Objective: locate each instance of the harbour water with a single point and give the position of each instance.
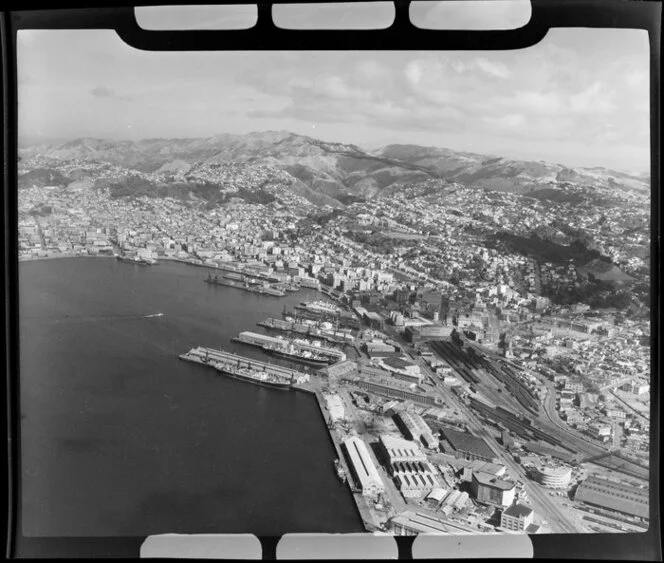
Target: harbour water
(121, 438)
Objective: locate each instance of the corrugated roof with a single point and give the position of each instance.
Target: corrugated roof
(614, 496)
(364, 468)
(466, 442)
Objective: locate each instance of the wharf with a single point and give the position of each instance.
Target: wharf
(203, 355)
(251, 287)
(362, 504)
(262, 340)
(303, 329)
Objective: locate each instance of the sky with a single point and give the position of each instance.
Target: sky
(580, 97)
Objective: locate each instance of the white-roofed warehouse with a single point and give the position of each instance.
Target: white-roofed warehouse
(365, 475)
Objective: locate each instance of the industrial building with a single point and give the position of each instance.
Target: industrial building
(402, 369)
(397, 449)
(341, 369)
(414, 479)
(412, 523)
(596, 491)
(463, 445)
(489, 489)
(415, 334)
(415, 428)
(517, 518)
(381, 383)
(412, 473)
(379, 348)
(553, 477)
(467, 468)
(454, 501)
(364, 472)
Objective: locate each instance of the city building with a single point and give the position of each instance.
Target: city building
(415, 334)
(488, 489)
(553, 477)
(413, 523)
(341, 369)
(401, 368)
(364, 472)
(463, 445)
(397, 449)
(415, 428)
(412, 473)
(395, 389)
(517, 518)
(596, 491)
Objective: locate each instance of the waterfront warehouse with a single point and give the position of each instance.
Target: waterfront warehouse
(412, 473)
(364, 472)
(413, 523)
(603, 493)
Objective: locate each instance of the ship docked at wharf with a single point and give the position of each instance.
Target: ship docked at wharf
(298, 351)
(246, 369)
(323, 311)
(137, 260)
(319, 307)
(340, 471)
(248, 284)
(322, 330)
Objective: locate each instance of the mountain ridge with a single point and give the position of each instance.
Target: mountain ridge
(334, 169)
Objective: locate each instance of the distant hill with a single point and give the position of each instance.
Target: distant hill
(335, 172)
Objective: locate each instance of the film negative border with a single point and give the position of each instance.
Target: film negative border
(265, 35)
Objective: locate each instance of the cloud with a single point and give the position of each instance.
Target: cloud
(597, 98)
(105, 92)
(496, 69)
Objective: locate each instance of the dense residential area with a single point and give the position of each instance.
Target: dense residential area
(500, 375)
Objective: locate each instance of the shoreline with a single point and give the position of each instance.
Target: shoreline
(335, 440)
(369, 526)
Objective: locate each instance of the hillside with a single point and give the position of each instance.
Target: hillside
(329, 173)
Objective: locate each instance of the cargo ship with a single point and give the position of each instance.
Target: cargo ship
(319, 307)
(253, 287)
(232, 366)
(341, 473)
(285, 348)
(136, 260)
(291, 352)
(254, 376)
(310, 330)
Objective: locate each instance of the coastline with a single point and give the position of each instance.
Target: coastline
(358, 500)
(60, 257)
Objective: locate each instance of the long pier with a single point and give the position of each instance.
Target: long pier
(204, 356)
(306, 330)
(262, 340)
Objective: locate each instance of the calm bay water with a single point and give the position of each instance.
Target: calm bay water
(121, 438)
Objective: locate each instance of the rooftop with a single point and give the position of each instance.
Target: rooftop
(492, 481)
(466, 442)
(518, 511)
(615, 496)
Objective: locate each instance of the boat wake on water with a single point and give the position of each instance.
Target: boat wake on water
(97, 318)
